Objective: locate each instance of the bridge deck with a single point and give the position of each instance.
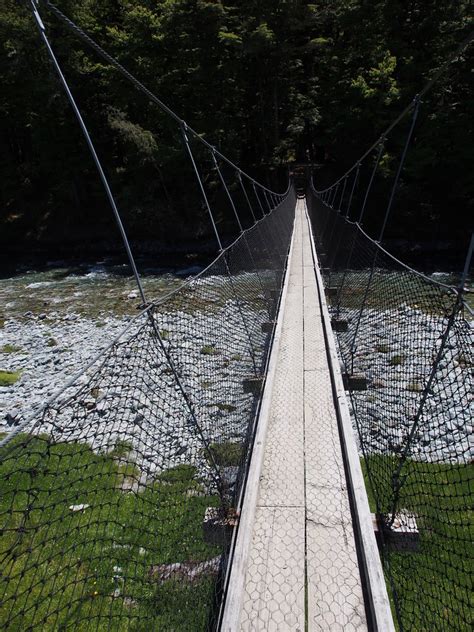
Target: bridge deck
(299, 566)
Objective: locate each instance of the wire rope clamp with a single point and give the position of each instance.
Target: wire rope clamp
(268, 327)
(355, 381)
(218, 525)
(339, 324)
(330, 292)
(253, 384)
(401, 533)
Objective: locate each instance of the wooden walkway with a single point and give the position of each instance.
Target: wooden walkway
(296, 563)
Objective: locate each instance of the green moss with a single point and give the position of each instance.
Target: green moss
(209, 350)
(165, 334)
(397, 359)
(10, 349)
(128, 470)
(383, 348)
(236, 357)
(206, 384)
(7, 378)
(415, 387)
(227, 454)
(180, 473)
(228, 408)
(121, 449)
(58, 565)
(431, 580)
(51, 342)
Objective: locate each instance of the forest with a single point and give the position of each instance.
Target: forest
(268, 82)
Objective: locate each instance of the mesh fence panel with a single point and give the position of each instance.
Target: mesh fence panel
(411, 341)
(117, 504)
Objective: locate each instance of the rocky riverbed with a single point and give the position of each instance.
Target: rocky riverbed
(395, 351)
(130, 395)
(55, 322)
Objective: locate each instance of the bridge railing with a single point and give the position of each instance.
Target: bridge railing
(117, 502)
(406, 347)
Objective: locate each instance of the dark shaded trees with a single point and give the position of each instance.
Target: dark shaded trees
(267, 82)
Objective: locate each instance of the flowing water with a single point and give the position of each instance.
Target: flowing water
(89, 290)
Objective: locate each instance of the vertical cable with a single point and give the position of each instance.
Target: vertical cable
(90, 144)
(201, 185)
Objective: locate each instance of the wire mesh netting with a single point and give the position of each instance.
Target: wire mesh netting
(406, 348)
(118, 501)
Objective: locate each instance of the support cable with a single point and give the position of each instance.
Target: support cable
(239, 175)
(85, 131)
(384, 224)
(216, 232)
(397, 482)
(354, 184)
(243, 234)
(201, 185)
(372, 176)
(90, 144)
(258, 199)
(359, 221)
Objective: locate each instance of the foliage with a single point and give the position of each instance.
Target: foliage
(226, 454)
(266, 82)
(7, 378)
(8, 348)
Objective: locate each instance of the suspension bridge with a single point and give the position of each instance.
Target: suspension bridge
(208, 470)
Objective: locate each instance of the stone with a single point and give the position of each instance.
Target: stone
(79, 507)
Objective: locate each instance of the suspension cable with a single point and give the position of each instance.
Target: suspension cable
(90, 144)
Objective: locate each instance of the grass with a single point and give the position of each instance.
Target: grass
(383, 348)
(209, 350)
(433, 584)
(10, 349)
(165, 334)
(51, 342)
(7, 378)
(228, 408)
(60, 566)
(227, 454)
(121, 449)
(397, 359)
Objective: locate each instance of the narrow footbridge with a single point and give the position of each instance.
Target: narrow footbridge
(282, 442)
(301, 561)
